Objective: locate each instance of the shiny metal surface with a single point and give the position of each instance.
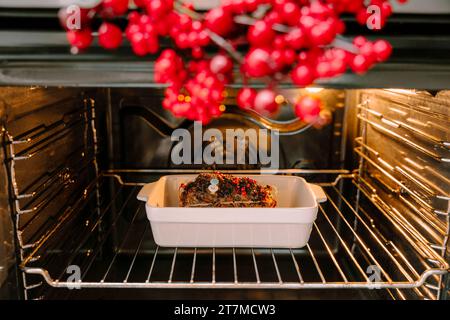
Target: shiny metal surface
(404, 152)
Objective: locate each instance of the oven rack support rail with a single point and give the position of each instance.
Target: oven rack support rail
(366, 252)
(32, 144)
(411, 187)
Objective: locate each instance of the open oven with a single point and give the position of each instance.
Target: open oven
(82, 134)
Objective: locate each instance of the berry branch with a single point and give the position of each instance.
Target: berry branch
(300, 39)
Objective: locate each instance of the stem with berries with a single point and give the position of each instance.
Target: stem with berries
(265, 39)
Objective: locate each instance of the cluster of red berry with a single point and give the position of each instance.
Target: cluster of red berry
(300, 34)
(326, 63)
(195, 92)
(284, 37)
(160, 19)
(80, 37)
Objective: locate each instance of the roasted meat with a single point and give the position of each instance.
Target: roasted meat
(222, 190)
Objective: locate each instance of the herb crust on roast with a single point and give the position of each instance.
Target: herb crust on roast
(231, 191)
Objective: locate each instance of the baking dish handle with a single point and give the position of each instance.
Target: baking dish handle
(319, 194)
(146, 191)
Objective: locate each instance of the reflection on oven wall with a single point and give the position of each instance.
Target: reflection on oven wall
(47, 144)
(141, 116)
(404, 148)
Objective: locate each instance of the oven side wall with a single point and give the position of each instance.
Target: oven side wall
(47, 158)
(9, 276)
(399, 145)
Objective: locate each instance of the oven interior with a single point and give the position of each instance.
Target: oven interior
(75, 158)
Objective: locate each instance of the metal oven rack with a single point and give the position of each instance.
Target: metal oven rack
(46, 163)
(124, 255)
(404, 151)
(360, 240)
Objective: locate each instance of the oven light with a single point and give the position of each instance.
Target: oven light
(279, 99)
(313, 89)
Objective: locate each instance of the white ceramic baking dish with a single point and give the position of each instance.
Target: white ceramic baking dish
(288, 225)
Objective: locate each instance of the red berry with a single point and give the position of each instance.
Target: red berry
(139, 44)
(149, 29)
(204, 118)
(197, 26)
(251, 5)
(132, 29)
(352, 6)
(338, 66)
(219, 21)
(193, 38)
(289, 56)
(214, 111)
(362, 15)
(203, 38)
(239, 6)
(182, 40)
(115, 7)
(339, 54)
(359, 41)
(168, 54)
(163, 27)
(80, 39)
(296, 39)
(227, 5)
(367, 50)
(184, 22)
(109, 36)
(290, 12)
(307, 22)
(273, 17)
(359, 64)
(279, 42)
(386, 9)
(197, 52)
(258, 63)
(139, 3)
(339, 25)
(159, 8)
(319, 10)
(278, 4)
(145, 20)
(323, 69)
(221, 63)
(322, 33)
(246, 98)
(152, 44)
(133, 17)
(308, 108)
(179, 109)
(277, 57)
(265, 103)
(303, 75)
(382, 49)
(261, 34)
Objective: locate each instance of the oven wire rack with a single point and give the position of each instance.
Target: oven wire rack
(365, 259)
